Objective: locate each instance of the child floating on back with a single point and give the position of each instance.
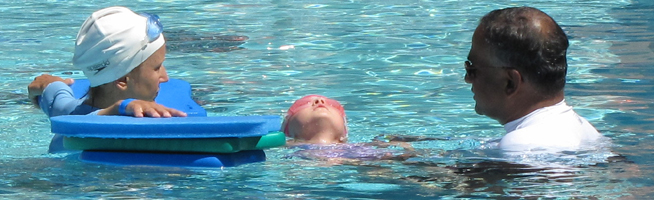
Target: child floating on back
(318, 127)
(316, 119)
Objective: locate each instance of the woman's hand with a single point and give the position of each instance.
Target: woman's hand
(39, 84)
(140, 108)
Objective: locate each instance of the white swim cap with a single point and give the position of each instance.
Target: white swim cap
(115, 40)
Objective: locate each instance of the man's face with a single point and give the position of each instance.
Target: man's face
(488, 78)
(145, 78)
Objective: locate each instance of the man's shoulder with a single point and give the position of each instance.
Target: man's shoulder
(537, 135)
(567, 130)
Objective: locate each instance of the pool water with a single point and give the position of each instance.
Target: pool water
(397, 66)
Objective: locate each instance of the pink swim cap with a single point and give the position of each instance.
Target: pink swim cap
(306, 101)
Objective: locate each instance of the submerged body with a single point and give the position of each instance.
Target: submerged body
(356, 151)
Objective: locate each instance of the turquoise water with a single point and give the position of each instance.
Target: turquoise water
(395, 65)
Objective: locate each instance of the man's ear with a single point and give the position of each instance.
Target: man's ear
(514, 81)
(121, 83)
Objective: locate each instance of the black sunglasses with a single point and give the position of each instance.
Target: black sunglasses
(471, 72)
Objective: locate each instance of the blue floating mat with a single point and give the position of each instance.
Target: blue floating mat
(177, 134)
(194, 141)
(188, 145)
(175, 94)
(164, 128)
(173, 159)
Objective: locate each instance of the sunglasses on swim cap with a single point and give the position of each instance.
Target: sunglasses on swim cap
(154, 28)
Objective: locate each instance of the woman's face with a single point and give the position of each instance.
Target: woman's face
(143, 82)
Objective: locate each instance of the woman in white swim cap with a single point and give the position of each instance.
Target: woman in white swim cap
(121, 53)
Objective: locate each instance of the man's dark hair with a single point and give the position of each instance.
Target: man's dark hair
(530, 41)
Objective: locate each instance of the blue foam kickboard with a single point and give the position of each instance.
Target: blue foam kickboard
(175, 94)
(173, 159)
(164, 128)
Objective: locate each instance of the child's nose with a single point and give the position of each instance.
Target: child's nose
(319, 101)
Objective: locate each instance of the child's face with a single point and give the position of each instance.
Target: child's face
(316, 119)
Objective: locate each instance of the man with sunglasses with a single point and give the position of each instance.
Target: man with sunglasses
(517, 67)
(121, 53)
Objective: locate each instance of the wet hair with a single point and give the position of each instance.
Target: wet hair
(530, 41)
